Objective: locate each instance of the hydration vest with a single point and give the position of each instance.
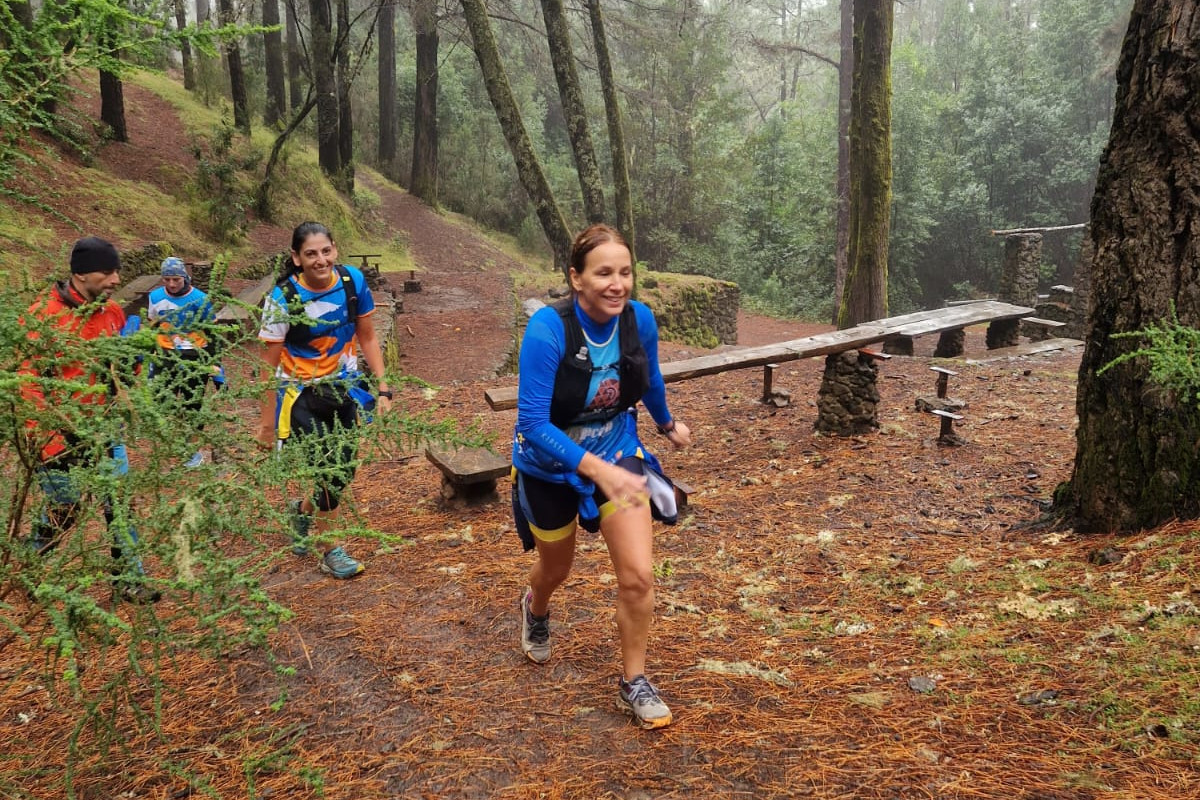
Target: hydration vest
(300, 333)
(574, 375)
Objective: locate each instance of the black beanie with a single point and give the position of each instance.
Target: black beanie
(93, 254)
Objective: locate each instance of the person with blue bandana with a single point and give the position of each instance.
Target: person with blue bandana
(185, 360)
(584, 366)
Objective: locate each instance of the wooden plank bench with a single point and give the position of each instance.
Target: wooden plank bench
(919, 323)
(469, 474)
(1027, 349)
(132, 296)
(247, 300)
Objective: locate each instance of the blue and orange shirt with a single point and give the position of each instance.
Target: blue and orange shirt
(179, 316)
(330, 349)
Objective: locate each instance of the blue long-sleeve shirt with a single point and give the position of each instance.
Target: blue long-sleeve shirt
(548, 452)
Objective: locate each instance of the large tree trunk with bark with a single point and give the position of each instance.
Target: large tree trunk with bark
(321, 50)
(1137, 463)
(295, 58)
(529, 169)
(622, 195)
(865, 294)
(185, 48)
(423, 178)
(237, 75)
(112, 105)
(386, 29)
(345, 114)
(558, 35)
(276, 104)
(845, 88)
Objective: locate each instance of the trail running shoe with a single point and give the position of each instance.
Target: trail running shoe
(196, 460)
(639, 699)
(300, 522)
(138, 594)
(535, 632)
(338, 563)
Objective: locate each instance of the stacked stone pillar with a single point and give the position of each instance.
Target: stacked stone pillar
(1018, 284)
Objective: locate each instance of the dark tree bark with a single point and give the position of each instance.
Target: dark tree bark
(529, 169)
(112, 105)
(345, 113)
(295, 58)
(865, 294)
(622, 195)
(386, 28)
(276, 104)
(1136, 462)
(185, 48)
(558, 35)
(845, 86)
(237, 76)
(112, 93)
(321, 49)
(423, 182)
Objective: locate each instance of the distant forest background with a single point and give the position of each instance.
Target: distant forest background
(1001, 109)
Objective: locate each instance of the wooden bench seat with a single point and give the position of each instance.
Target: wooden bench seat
(1027, 349)
(918, 323)
(132, 296)
(247, 300)
(469, 474)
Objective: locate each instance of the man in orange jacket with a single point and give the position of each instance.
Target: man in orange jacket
(79, 308)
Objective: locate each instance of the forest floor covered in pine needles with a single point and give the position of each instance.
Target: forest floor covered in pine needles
(868, 617)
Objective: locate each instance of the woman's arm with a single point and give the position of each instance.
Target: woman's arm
(271, 353)
(364, 329)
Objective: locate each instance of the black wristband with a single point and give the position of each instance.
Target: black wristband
(666, 429)
(385, 393)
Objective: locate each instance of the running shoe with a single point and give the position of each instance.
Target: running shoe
(535, 632)
(138, 594)
(338, 563)
(639, 699)
(196, 460)
(300, 523)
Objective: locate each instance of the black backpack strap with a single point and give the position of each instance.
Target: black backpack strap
(574, 371)
(635, 364)
(351, 293)
(291, 295)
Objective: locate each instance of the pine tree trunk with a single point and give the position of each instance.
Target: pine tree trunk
(237, 76)
(865, 295)
(385, 28)
(185, 48)
(276, 104)
(558, 36)
(295, 58)
(1137, 463)
(622, 195)
(423, 181)
(345, 114)
(112, 105)
(845, 88)
(321, 50)
(529, 169)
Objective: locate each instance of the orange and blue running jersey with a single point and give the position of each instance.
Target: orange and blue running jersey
(179, 317)
(330, 349)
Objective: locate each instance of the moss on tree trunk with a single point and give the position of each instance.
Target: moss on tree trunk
(1137, 461)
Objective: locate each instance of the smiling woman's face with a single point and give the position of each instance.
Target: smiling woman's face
(316, 259)
(606, 283)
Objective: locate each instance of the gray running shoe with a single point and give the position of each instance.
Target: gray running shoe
(639, 699)
(338, 563)
(535, 632)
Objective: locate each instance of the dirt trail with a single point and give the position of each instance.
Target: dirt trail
(459, 325)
